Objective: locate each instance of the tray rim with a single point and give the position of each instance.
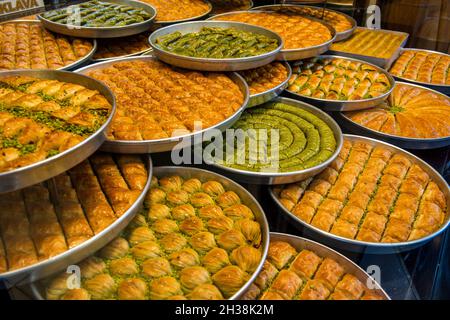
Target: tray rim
(400, 139)
(125, 218)
(402, 246)
(145, 143)
(299, 242)
(100, 133)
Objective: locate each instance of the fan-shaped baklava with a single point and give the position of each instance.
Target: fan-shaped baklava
(265, 78)
(371, 42)
(369, 193)
(39, 118)
(195, 240)
(172, 10)
(156, 101)
(423, 66)
(44, 220)
(289, 274)
(410, 111)
(27, 45)
(296, 30)
(338, 79)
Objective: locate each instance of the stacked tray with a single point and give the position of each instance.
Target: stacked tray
(317, 39)
(78, 28)
(67, 218)
(353, 47)
(408, 205)
(61, 123)
(342, 23)
(43, 49)
(300, 269)
(423, 72)
(122, 128)
(199, 267)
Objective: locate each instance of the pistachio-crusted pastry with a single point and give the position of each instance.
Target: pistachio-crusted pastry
(304, 275)
(296, 30)
(47, 219)
(172, 10)
(40, 118)
(337, 79)
(372, 194)
(410, 111)
(371, 42)
(149, 109)
(265, 78)
(206, 248)
(27, 45)
(423, 66)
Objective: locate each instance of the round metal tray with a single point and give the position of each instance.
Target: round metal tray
(72, 65)
(104, 32)
(167, 144)
(38, 288)
(339, 35)
(346, 105)
(273, 178)
(37, 172)
(199, 17)
(212, 64)
(324, 252)
(295, 54)
(346, 244)
(266, 96)
(402, 142)
(74, 255)
(444, 88)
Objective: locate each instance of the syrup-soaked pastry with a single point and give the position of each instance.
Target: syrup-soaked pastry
(265, 78)
(305, 275)
(205, 248)
(373, 194)
(173, 10)
(47, 219)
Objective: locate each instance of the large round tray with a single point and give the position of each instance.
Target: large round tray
(167, 144)
(300, 53)
(76, 254)
(38, 288)
(273, 178)
(444, 88)
(339, 35)
(263, 97)
(346, 244)
(212, 64)
(48, 168)
(72, 65)
(104, 32)
(324, 252)
(346, 105)
(402, 142)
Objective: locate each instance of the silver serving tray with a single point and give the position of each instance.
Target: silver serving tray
(347, 105)
(199, 17)
(444, 88)
(324, 252)
(295, 54)
(167, 144)
(76, 254)
(38, 288)
(72, 65)
(266, 96)
(339, 35)
(37, 172)
(381, 62)
(273, 178)
(104, 32)
(213, 64)
(402, 142)
(346, 244)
